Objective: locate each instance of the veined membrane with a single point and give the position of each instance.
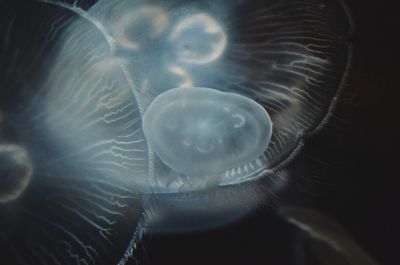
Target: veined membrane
(70, 211)
(86, 74)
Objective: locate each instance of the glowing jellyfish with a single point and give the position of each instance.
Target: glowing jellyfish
(199, 39)
(128, 30)
(15, 172)
(202, 132)
(89, 77)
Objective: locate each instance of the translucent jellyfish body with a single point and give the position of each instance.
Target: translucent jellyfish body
(87, 75)
(15, 172)
(202, 132)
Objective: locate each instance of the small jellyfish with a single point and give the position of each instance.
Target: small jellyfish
(201, 131)
(15, 172)
(199, 39)
(128, 29)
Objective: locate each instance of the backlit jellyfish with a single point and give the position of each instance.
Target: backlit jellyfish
(157, 116)
(128, 28)
(199, 39)
(202, 132)
(15, 172)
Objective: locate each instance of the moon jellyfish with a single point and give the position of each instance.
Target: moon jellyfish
(201, 132)
(200, 39)
(156, 116)
(15, 172)
(63, 211)
(128, 29)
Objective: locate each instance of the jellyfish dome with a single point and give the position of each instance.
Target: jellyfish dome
(155, 116)
(15, 172)
(202, 132)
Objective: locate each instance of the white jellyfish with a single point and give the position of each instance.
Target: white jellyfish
(201, 132)
(157, 116)
(15, 172)
(198, 39)
(128, 28)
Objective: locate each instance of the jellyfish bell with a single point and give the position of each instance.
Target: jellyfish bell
(128, 30)
(15, 172)
(198, 39)
(203, 132)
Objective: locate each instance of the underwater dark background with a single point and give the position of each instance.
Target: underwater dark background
(349, 171)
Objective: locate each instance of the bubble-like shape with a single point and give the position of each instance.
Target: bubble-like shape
(199, 39)
(202, 131)
(128, 29)
(15, 172)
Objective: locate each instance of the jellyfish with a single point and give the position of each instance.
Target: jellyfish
(193, 34)
(202, 132)
(16, 172)
(157, 116)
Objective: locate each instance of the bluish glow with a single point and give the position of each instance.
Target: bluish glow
(157, 113)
